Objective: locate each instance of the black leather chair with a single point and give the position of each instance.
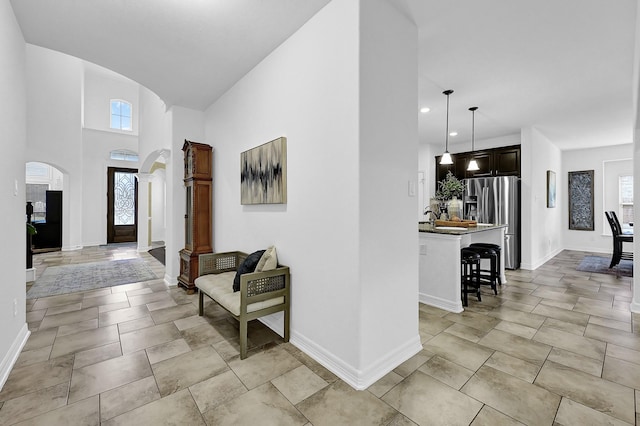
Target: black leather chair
(618, 239)
(615, 219)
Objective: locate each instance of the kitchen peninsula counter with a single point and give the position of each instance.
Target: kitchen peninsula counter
(426, 227)
(440, 261)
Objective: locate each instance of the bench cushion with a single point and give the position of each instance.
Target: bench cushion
(218, 287)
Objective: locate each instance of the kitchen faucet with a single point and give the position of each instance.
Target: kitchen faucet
(433, 216)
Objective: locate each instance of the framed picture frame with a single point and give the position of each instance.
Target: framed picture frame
(581, 200)
(551, 189)
(263, 173)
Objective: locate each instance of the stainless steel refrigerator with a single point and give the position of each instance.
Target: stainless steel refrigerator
(497, 200)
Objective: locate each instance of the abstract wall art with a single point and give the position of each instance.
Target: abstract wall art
(263, 173)
(551, 189)
(581, 200)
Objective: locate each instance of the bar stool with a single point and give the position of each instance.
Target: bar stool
(497, 249)
(470, 274)
(488, 276)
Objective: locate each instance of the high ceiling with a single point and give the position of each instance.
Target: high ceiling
(562, 66)
(189, 52)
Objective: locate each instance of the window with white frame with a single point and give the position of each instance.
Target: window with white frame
(120, 115)
(123, 155)
(625, 187)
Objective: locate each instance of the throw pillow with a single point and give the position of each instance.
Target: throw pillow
(246, 267)
(268, 261)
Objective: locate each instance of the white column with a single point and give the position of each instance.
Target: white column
(635, 302)
(144, 215)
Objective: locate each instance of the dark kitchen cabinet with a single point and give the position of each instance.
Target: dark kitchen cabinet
(485, 164)
(457, 168)
(49, 231)
(507, 161)
(503, 161)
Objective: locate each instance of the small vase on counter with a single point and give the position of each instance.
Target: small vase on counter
(454, 207)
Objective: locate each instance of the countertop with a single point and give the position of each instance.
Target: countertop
(426, 227)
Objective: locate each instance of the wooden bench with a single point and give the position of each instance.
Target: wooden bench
(261, 293)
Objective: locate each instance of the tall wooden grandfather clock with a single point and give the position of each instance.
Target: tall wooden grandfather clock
(198, 223)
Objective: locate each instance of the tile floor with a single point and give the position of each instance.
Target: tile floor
(555, 347)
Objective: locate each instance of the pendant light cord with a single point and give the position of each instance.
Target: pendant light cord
(446, 137)
(473, 128)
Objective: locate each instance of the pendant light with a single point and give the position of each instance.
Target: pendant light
(446, 157)
(473, 164)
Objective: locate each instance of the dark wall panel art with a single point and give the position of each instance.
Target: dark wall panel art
(581, 200)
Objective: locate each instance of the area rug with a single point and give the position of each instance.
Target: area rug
(600, 265)
(158, 253)
(89, 276)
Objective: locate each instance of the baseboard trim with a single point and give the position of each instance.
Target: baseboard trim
(635, 307)
(12, 355)
(589, 250)
(387, 363)
(170, 281)
(357, 379)
(538, 263)
(31, 274)
(437, 302)
(72, 248)
(144, 249)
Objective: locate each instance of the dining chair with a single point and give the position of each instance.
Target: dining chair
(618, 239)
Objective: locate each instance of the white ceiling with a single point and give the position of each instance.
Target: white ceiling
(562, 66)
(189, 52)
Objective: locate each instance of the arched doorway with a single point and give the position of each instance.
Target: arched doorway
(44, 189)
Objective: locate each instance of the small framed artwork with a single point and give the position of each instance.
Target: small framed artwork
(551, 189)
(581, 200)
(263, 173)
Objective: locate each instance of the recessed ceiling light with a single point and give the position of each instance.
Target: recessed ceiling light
(453, 134)
(425, 110)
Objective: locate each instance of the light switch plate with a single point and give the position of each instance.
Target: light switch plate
(412, 188)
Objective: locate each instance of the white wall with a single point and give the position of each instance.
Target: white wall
(158, 204)
(388, 161)
(54, 82)
(97, 147)
(598, 240)
(426, 164)
(635, 304)
(185, 124)
(154, 144)
(309, 91)
(100, 87)
(306, 90)
(155, 128)
(481, 144)
(541, 226)
(14, 332)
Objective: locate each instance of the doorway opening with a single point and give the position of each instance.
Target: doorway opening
(122, 205)
(44, 185)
